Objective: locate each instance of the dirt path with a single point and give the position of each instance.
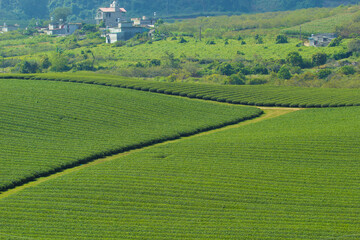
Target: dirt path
(268, 114)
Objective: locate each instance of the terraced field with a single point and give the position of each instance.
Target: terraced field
(49, 126)
(246, 95)
(291, 177)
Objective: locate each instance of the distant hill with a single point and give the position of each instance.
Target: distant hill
(85, 9)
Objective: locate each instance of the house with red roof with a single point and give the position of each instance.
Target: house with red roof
(111, 16)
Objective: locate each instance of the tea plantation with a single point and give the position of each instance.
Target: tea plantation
(49, 126)
(246, 95)
(291, 177)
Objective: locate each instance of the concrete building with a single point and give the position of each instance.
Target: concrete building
(7, 28)
(144, 21)
(123, 32)
(63, 29)
(111, 16)
(321, 40)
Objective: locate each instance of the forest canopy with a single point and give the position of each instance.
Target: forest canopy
(85, 10)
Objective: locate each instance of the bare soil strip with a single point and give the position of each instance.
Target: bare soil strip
(268, 114)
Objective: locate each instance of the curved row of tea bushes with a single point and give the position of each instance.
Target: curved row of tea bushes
(46, 126)
(291, 177)
(245, 95)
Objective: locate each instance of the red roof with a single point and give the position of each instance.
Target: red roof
(112, 10)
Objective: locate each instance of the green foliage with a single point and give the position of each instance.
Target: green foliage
(284, 73)
(182, 40)
(300, 169)
(354, 46)
(155, 62)
(59, 63)
(335, 42)
(250, 95)
(281, 39)
(85, 65)
(27, 67)
(294, 59)
(68, 124)
(348, 70)
(225, 69)
(236, 79)
(45, 62)
(319, 59)
(60, 14)
(324, 73)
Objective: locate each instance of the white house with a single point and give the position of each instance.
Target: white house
(111, 16)
(124, 31)
(321, 40)
(7, 28)
(63, 29)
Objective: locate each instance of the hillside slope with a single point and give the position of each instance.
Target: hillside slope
(86, 9)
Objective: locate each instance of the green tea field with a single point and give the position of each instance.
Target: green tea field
(198, 169)
(245, 95)
(47, 126)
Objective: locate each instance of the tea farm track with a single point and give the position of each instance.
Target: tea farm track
(269, 112)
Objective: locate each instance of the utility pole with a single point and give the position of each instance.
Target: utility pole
(200, 33)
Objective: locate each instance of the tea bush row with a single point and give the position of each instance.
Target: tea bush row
(245, 95)
(291, 177)
(49, 126)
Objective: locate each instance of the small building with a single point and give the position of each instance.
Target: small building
(111, 16)
(123, 32)
(321, 40)
(144, 21)
(7, 28)
(63, 29)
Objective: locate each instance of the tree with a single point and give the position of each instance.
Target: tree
(60, 15)
(324, 73)
(294, 59)
(28, 67)
(319, 59)
(45, 62)
(59, 63)
(225, 69)
(281, 39)
(284, 73)
(348, 70)
(236, 79)
(354, 46)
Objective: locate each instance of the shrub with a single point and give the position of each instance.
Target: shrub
(210, 42)
(341, 55)
(347, 70)
(319, 59)
(182, 40)
(354, 46)
(45, 62)
(59, 63)
(28, 67)
(225, 69)
(236, 79)
(281, 39)
(284, 73)
(294, 59)
(335, 42)
(324, 73)
(155, 62)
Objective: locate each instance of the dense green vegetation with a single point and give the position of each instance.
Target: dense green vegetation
(250, 49)
(293, 177)
(48, 126)
(86, 9)
(247, 95)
